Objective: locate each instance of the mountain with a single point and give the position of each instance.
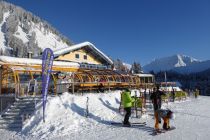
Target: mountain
(22, 32)
(170, 63)
(202, 66)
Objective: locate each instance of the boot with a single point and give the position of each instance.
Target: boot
(127, 124)
(165, 126)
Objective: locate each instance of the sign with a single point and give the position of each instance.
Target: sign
(47, 62)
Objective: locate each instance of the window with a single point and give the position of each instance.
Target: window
(77, 56)
(24, 77)
(85, 57)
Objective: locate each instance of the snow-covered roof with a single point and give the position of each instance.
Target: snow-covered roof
(27, 61)
(170, 88)
(144, 75)
(81, 45)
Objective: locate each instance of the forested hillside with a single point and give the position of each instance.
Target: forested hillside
(22, 32)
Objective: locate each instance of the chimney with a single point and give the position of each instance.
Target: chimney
(30, 54)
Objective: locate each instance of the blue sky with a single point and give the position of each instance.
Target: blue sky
(132, 30)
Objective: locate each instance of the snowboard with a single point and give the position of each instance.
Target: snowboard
(171, 128)
(155, 132)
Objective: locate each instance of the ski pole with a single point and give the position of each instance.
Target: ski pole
(136, 104)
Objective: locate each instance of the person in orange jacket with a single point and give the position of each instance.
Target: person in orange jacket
(157, 100)
(166, 115)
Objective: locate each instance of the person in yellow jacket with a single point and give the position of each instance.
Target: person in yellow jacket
(127, 104)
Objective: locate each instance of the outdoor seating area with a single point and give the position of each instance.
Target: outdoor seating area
(22, 79)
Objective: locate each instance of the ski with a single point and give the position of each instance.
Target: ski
(130, 126)
(87, 110)
(131, 123)
(139, 123)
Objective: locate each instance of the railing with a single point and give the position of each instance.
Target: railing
(23, 88)
(92, 66)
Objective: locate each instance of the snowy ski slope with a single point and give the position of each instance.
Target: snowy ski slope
(65, 119)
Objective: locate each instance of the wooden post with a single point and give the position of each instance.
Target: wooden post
(121, 108)
(1, 104)
(0, 80)
(82, 87)
(136, 104)
(109, 85)
(73, 83)
(145, 97)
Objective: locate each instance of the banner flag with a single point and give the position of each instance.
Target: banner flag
(47, 62)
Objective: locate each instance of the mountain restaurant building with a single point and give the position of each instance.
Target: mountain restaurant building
(78, 68)
(146, 80)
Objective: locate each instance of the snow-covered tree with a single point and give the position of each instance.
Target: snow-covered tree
(118, 65)
(18, 17)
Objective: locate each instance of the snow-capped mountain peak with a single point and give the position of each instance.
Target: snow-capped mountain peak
(184, 60)
(180, 62)
(169, 63)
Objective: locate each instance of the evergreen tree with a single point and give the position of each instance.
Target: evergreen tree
(136, 68)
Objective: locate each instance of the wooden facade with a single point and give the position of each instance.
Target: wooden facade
(83, 53)
(22, 79)
(146, 80)
(81, 56)
(79, 68)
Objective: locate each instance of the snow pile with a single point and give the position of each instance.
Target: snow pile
(65, 114)
(65, 119)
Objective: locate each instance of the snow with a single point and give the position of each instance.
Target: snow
(43, 39)
(178, 63)
(47, 40)
(2, 37)
(144, 75)
(27, 61)
(169, 88)
(195, 67)
(21, 34)
(65, 119)
(128, 66)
